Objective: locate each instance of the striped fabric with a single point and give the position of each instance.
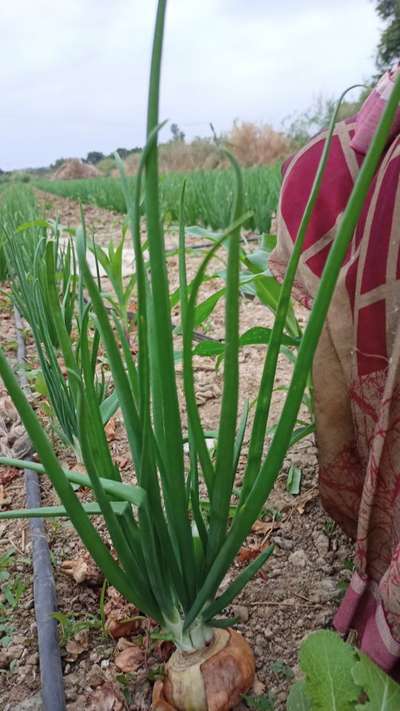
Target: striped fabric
(357, 365)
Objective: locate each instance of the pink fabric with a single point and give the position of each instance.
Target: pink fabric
(357, 365)
(368, 117)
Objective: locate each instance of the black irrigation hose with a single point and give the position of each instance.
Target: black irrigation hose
(44, 592)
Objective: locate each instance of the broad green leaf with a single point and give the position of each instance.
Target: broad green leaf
(297, 699)
(209, 348)
(259, 335)
(259, 261)
(383, 692)
(327, 662)
(206, 307)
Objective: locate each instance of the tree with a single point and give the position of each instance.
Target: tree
(300, 127)
(389, 45)
(94, 157)
(123, 153)
(57, 163)
(177, 134)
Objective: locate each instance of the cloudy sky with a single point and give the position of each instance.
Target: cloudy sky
(73, 73)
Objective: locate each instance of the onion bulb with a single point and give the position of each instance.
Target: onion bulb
(210, 679)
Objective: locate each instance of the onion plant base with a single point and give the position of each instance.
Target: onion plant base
(211, 679)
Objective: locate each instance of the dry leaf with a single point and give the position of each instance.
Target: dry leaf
(77, 645)
(163, 650)
(263, 527)
(106, 698)
(130, 659)
(122, 618)
(123, 644)
(110, 429)
(4, 500)
(159, 702)
(248, 553)
(83, 570)
(9, 474)
(123, 462)
(305, 498)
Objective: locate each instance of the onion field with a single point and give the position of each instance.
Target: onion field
(208, 195)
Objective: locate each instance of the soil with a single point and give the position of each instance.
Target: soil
(296, 592)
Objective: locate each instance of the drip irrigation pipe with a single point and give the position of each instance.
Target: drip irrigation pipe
(44, 592)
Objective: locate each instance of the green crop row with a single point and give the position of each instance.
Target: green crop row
(208, 197)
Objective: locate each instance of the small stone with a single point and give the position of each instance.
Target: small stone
(95, 677)
(321, 543)
(15, 651)
(33, 703)
(322, 618)
(71, 679)
(328, 589)
(260, 640)
(258, 651)
(3, 660)
(242, 612)
(268, 633)
(267, 612)
(70, 694)
(105, 663)
(258, 687)
(32, 660)
(19, 639)
(284, 543)
(298, 559)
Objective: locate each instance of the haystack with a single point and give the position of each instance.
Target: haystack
(74, 168)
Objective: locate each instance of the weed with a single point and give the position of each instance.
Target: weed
(282, 669)
(266, 702)
(70, 626)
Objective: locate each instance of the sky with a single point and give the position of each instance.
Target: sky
(74, 73)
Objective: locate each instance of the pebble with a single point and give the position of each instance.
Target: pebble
(258, 687)
(322, 618)
(328, 589)
(3, 660)
(34, 703)
(260, 640)
(267, 612)
(241, 611)
(298, 559)
(321, 542)
(70, 694)
(268, 633)
(284, 543)
(33, 659)
(15, 651)
(95, 677)
(71, 679)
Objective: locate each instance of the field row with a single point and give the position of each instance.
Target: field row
(208, 195)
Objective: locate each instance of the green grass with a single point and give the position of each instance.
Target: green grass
(208, 195)
(17, 207)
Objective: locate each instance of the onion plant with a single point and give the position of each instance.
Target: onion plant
(49, 293)
(170, 555)
(208, 195)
